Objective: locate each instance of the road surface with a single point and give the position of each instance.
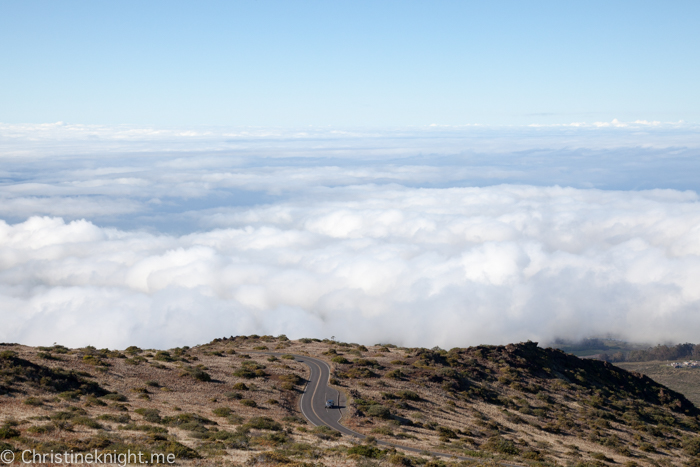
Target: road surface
(313, 406)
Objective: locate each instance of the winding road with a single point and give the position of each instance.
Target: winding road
(313, 405)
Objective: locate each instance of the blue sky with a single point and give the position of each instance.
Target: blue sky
(423, 173)
(348, 63)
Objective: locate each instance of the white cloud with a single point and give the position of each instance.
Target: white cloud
(427, 236)
(445, 267)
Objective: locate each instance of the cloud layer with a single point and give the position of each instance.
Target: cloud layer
(444, 267)
(445, 236)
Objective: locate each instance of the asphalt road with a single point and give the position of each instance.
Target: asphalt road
(313, 405)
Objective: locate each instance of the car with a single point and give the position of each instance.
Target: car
(330, 404)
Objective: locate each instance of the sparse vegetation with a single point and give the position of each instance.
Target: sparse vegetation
(519, 404)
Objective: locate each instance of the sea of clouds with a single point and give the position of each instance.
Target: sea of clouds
(449, 236)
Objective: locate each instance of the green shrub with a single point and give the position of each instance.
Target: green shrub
(68, 395)
(501, 445)
(325, 433)
(408, 395)
(367, 362)
(647, 447)
(691, 446)
(69, 414)
(234, 395)
(382, 430)
(92, 400)
(446, 433)
(179, 450)
(7, 432)
(288, 357)
(240, 387)
(187, 421)
(196, 373)
(364, 450)
(244, 373)
(340, 360)
(115, 397)
(360, 373)
(249, 403)
(149, 415)
(41, 429)
(86, 421)
(34, 401)
(379, 411)
(222, 411)
(263, 423)
(163, 356)
(133, 350)
(120, 418)
(599, 456)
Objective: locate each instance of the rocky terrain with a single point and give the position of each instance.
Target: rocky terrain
(231, 402)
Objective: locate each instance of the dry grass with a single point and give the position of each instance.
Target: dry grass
(684, 380)
(494, 403)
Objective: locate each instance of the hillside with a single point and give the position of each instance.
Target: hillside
(683, 380)
(229, 403)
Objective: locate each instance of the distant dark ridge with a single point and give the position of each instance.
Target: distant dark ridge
(660, 352)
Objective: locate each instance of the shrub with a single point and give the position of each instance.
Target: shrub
(244, 373)
(501, 445)
(92, 400)
(133, 350)
(367, 362)
(691, 446)
(115, 397)
(360, 373)
(149, 415)
(325, 433)
(647, 447)
(179, 450)
(382, 430)
(364, 450)
(263, 423)
(163, 356)
(196, 373)
(41, 429)
(222, 411)
(70, 395)
(240, 387)
(7, 432)
(379, 411)
(234, 395)
(288, 357)
(35, 401)
(599, 456)
(86, 421)
(408, 395)
(249, 403)
(235, 419)
(93, 360)
(292, 378)
(340, 360)
(187, 421)
(121, 418)
(446, 433)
